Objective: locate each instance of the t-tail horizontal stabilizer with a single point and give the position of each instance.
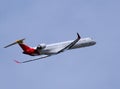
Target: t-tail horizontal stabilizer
(16, 42)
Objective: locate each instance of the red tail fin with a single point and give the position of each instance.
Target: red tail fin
(27, 50)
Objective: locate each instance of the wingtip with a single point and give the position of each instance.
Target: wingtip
(17, 62)
(5, 47)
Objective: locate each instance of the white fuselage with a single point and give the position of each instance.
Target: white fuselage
(54, 48)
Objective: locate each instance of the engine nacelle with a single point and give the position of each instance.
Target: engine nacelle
(41, 46)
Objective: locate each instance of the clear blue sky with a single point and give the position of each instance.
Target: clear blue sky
(49, 21)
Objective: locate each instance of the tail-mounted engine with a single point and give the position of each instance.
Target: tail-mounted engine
(41, 46)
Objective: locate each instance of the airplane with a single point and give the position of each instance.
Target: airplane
(45, 51)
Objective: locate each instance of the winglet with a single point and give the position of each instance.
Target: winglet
(17, 62)
(78, 36)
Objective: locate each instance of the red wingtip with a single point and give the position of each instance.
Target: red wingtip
(17, 62)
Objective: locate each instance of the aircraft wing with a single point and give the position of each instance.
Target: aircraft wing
(32, 59)
(71, 44)
(62, 50)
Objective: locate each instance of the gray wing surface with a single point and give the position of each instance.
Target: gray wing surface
(32, 59)
(70, 45)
